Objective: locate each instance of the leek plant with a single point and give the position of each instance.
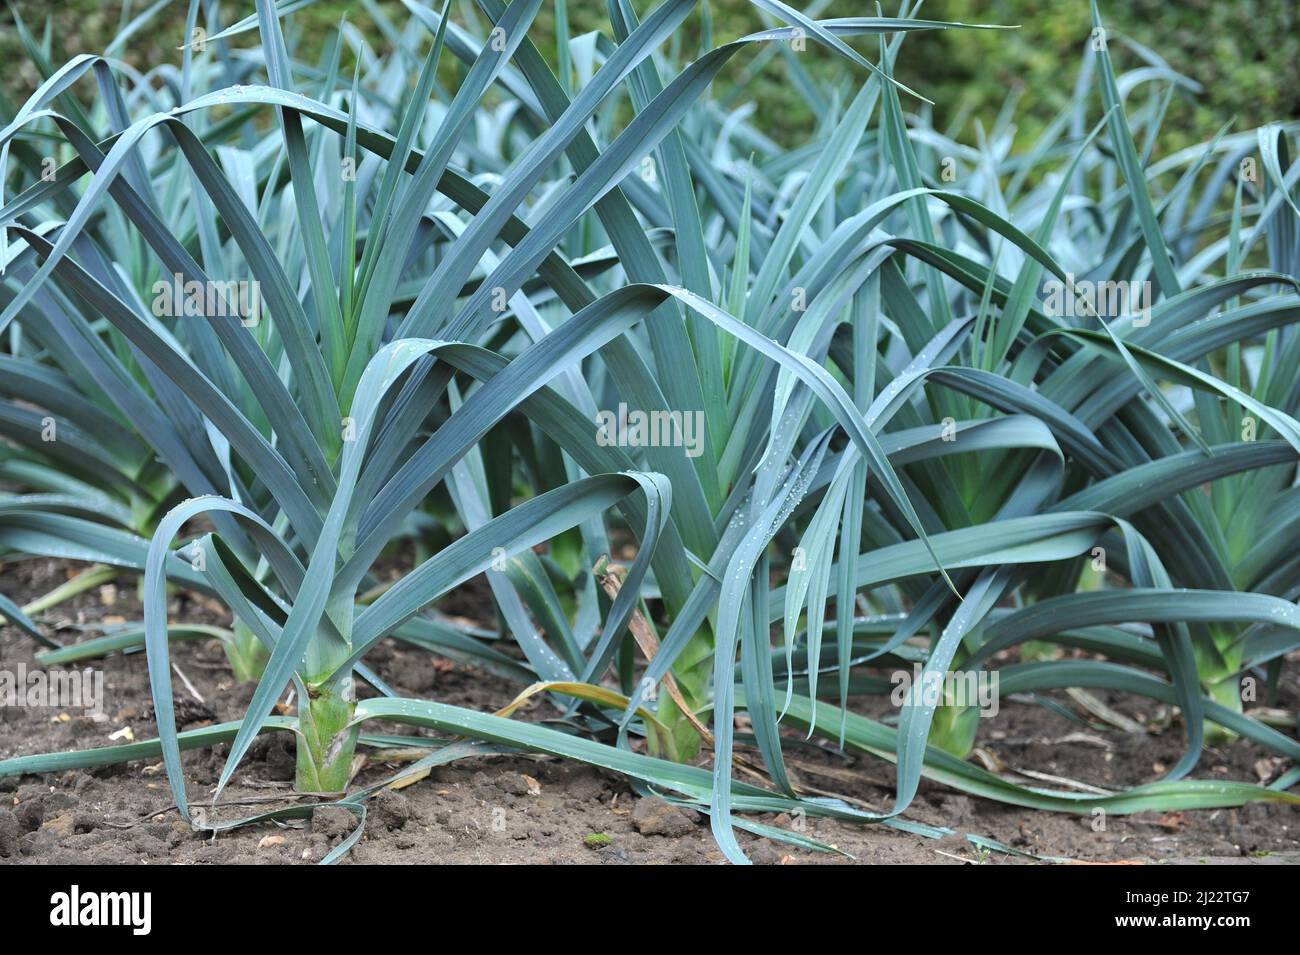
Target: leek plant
(831, 390)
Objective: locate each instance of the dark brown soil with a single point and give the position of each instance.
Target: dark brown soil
(513, 809)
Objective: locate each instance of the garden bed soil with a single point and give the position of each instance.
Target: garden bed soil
(522, 809)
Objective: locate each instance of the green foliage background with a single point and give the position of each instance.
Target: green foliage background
(1244, 53)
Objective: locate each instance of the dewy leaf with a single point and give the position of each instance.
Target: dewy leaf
(155, 620)
(1122, 138)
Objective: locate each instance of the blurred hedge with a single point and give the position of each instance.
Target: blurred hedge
(1245, 53)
